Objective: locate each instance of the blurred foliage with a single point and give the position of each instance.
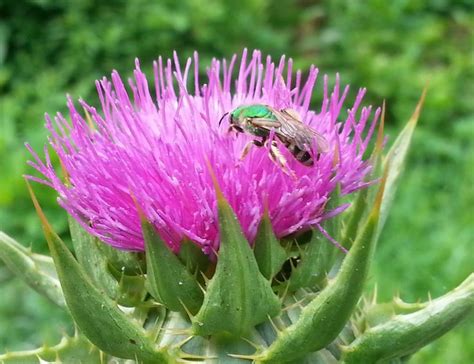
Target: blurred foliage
(49, 48)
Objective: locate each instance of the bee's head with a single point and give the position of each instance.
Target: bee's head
(237, 116)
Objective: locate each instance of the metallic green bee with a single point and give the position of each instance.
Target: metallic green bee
(259, 120)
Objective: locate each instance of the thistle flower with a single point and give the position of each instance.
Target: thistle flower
(151, 173)
(152, 150)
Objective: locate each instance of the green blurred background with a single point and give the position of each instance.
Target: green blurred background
(49, 48)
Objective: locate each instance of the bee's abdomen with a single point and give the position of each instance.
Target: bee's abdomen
(305, 158)
(302, 156)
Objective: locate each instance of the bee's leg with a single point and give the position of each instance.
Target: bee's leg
(280, 160)
(236, 128)
(246, 150)
(260, 143)
(249, 146)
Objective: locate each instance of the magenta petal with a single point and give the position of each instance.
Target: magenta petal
(155, 146)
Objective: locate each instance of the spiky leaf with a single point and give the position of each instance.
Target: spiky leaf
(270, 255)
(169, 280)
(238, 296)
(395, 160)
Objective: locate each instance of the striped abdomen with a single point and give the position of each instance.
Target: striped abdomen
(302, 156)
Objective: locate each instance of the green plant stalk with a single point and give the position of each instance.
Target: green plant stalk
(36, 270)
(76, 349)
(403, 335)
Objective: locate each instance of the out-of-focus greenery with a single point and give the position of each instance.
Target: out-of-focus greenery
(49, 48)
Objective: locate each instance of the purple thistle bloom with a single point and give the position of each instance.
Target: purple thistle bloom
(153, 150)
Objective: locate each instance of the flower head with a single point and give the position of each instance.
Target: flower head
(153, 149)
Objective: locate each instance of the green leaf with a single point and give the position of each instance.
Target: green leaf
(326, 315)
(76, 349)
(36, 270)
(270, 255)
(168, 279)
(238, 296)
(407, 333)
(96, 315)
(395, 160)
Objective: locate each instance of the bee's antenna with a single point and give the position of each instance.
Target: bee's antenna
(222, 118)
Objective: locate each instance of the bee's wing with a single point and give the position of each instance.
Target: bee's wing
(321, 142)
(301, 134)
(291, 113)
